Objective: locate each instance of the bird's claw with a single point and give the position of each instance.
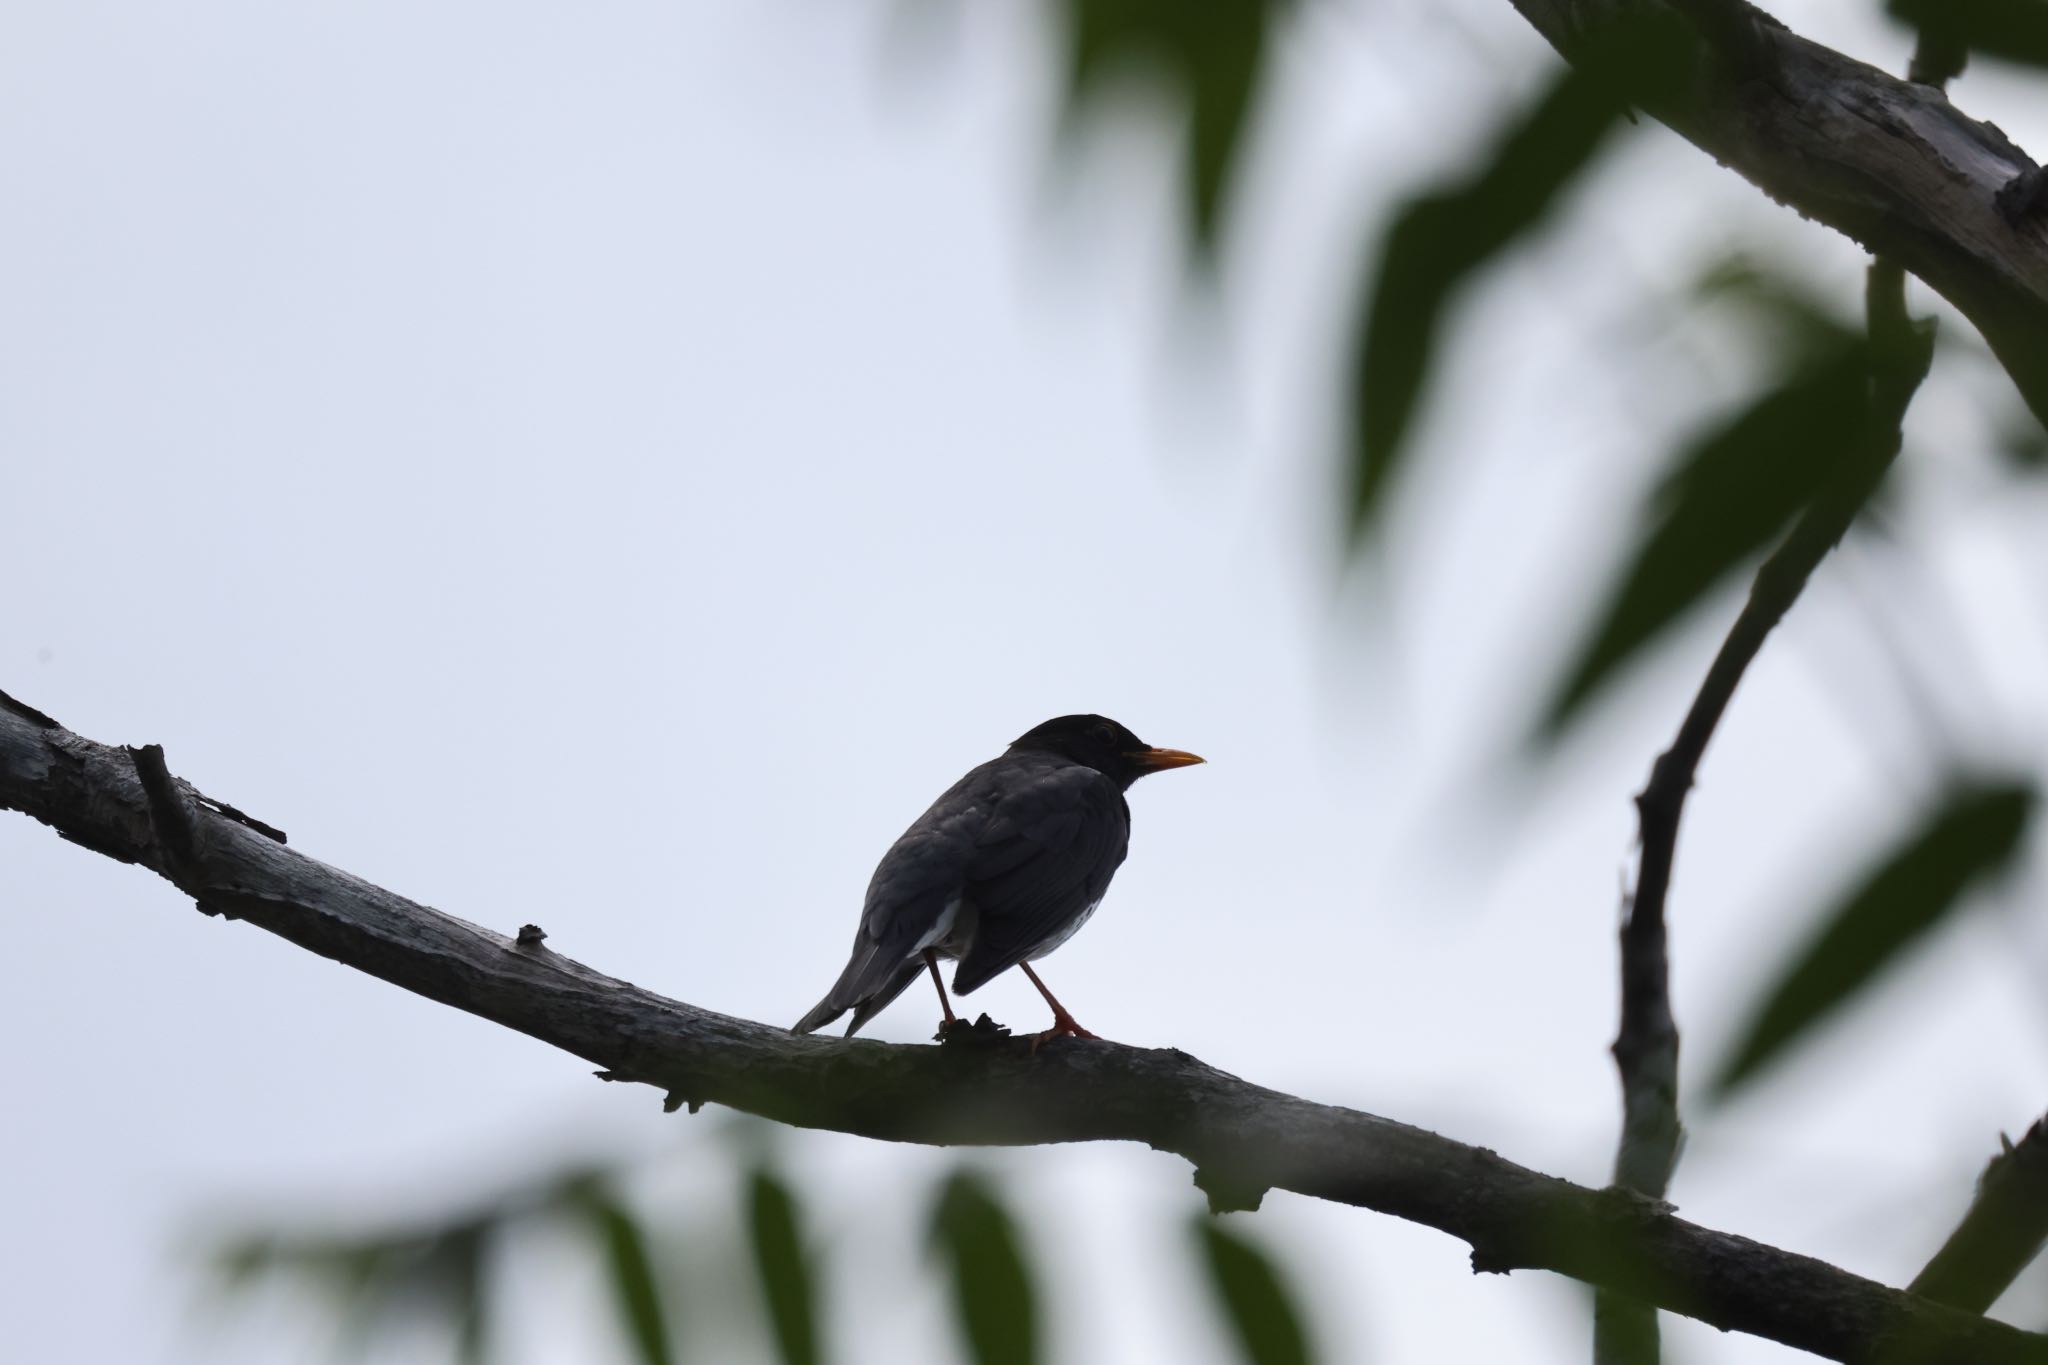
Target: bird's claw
(1063, 1026)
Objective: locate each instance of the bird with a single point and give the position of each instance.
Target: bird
(1004, 867)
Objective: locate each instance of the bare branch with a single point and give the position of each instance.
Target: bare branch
(1646, 1047)
(1890, 163)
(2001, 1234)
(1241, 1138)
(1896, 167)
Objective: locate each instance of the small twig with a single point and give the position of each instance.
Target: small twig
(170, 812)
(2002, 1233)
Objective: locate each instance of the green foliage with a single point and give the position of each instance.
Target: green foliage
(2024, 443)
(1438, 242)
(994, 1293)
(2016, 30)
(385, 1280)
(1797, 323)
(789, 1288)
(630, 1275)
(1973, 835)
(1730, 493)
(469, 1288)
(380, 1283)
(1212, 57)
(1253, 1295)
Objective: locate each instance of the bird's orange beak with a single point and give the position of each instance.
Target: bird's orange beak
(1159, 760)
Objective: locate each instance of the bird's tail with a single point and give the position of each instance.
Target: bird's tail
(879, 1001)
(863, 988)
(823, 1013)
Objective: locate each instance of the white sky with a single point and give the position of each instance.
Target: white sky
(611, 466)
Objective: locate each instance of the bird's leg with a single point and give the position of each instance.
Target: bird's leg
(1063, 1024)
(931, 961)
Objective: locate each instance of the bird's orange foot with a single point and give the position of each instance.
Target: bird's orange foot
(1063, 1026)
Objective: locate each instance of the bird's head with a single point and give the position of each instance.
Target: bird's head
(1100, 743)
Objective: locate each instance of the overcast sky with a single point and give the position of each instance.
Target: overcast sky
(611, 467)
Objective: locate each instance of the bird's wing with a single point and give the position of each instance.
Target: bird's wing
(912, 900)
(1041, 861)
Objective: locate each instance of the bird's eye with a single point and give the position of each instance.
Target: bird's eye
(1106, 733)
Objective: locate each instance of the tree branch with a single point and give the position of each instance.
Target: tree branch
(1242, 1138)
(2001, 1234)
(1896, 167)
(1889, 163)
(1646, 1046)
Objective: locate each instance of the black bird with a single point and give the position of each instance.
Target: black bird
(1000, 871)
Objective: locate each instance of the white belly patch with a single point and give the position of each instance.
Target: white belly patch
(941, 930)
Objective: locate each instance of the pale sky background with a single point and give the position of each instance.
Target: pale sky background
(611, 466)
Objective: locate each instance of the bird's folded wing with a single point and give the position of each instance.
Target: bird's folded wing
(915, 892)
(911, 903)
(1041, 860)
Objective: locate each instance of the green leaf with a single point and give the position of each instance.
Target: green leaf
(2023, 442)
(2016, 30)
(631, 1272)
(1212, 56)
(788, 1287)
(1253, 1296)
(993, 1286)
(381, 1282)
(1731, 493)
(462, 1254)
(1438, 241)
(1797, 323)
(1974, 834)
